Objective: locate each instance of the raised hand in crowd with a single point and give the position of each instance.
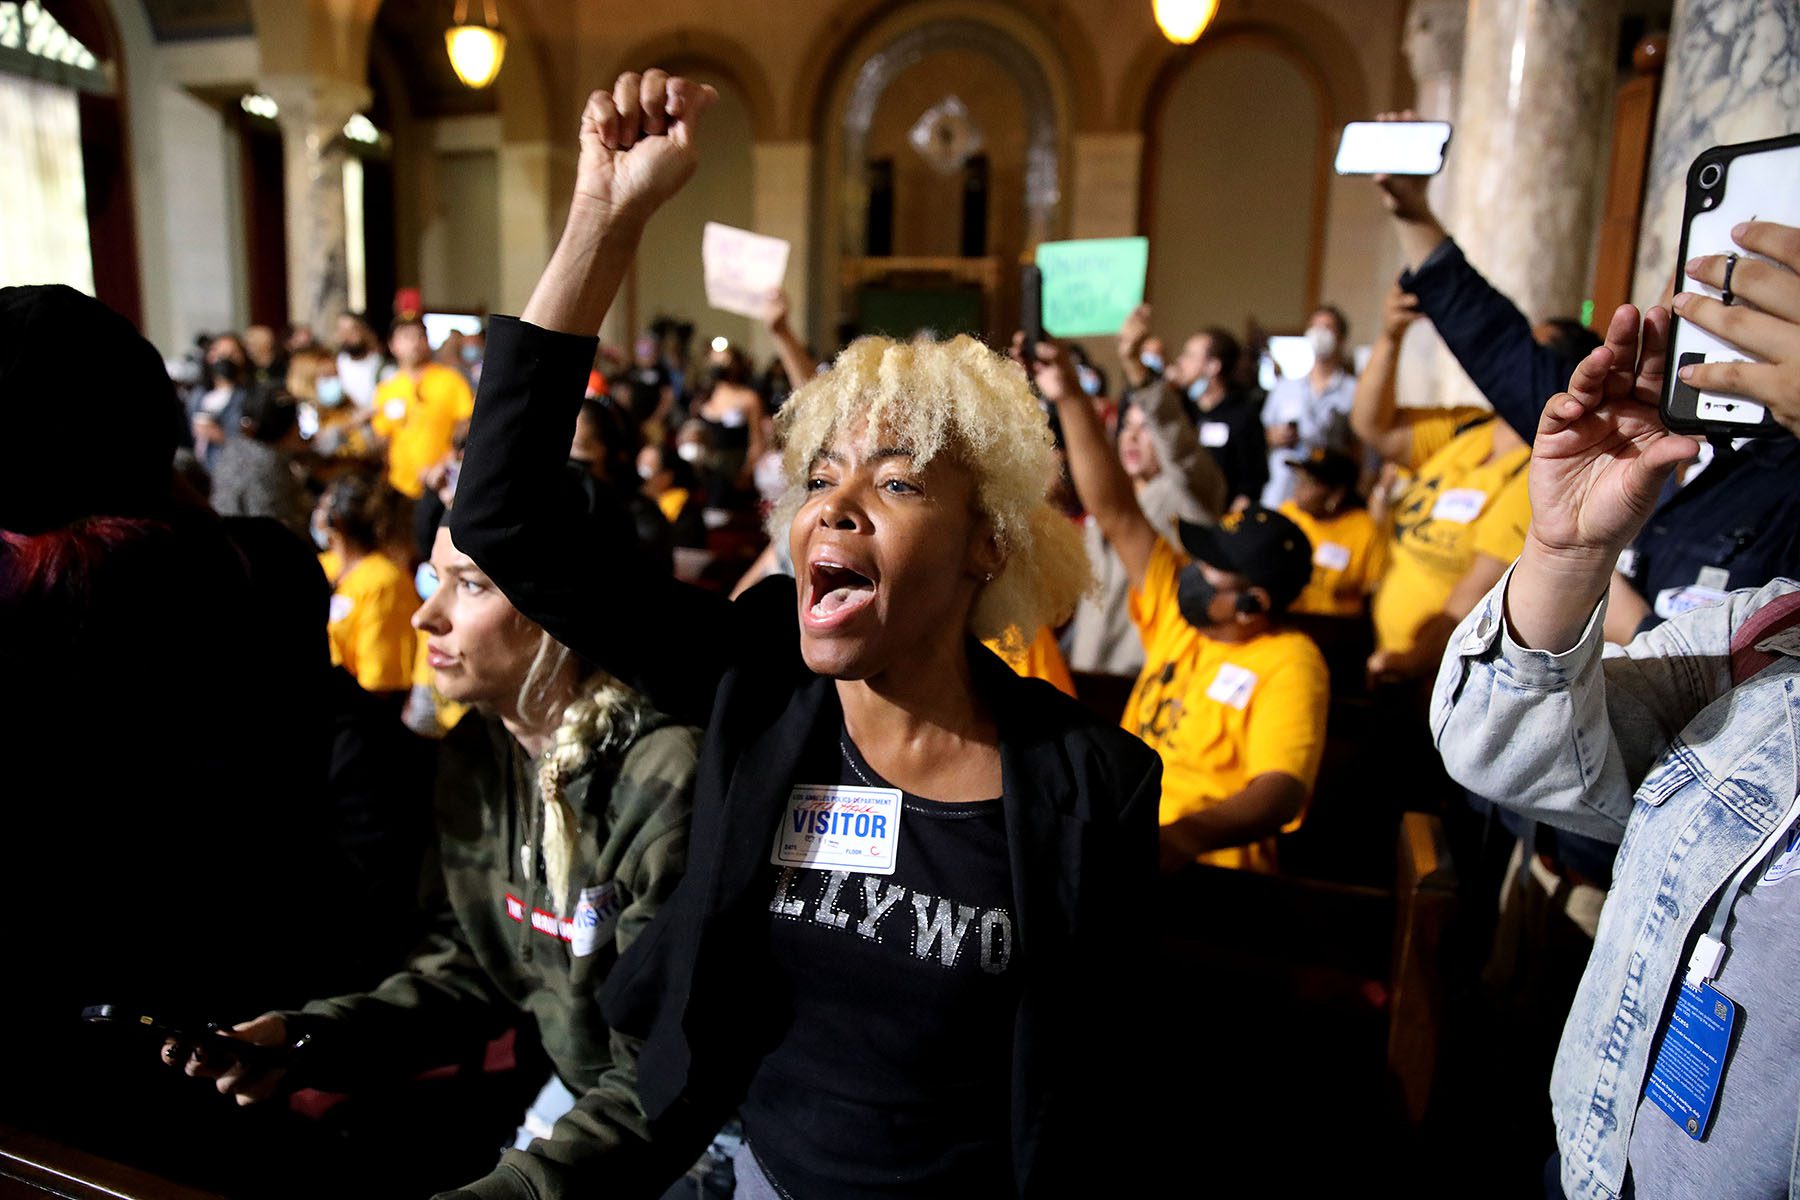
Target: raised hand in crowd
(1399, 309)
(1132, 335)
(638, 147)
(1766, 323)
(796, 360)
(1598, 464)
(1404, 196)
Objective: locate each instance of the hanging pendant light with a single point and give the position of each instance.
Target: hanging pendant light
(476, 51)
(1183, 21)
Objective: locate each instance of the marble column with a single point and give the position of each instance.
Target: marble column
(1537, 85)
(313, 112)
(1733, 76)
(1435, 30)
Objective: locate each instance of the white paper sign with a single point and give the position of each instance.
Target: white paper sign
(742, 268)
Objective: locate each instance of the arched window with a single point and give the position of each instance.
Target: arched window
(43, 72)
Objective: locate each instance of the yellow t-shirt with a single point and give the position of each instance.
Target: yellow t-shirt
(1222, 713)
(1348, 556)
(1457, 505)
(332, 564)
(1041, 659)
(672, 502)
(371, 625)
(419, 422)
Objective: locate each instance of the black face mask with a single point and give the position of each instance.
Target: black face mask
(225, 371)
(1194, 596)
(356, 348)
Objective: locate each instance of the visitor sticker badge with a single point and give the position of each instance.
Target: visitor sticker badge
(1233, 685)
(1459, 505)
(1691, 1060)
(1332, 556)
(839, 828)
(1214, 434)
(395, 410)
(340, 607)
(596, 916)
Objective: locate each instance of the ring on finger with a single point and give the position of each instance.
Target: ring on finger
(1725, 292)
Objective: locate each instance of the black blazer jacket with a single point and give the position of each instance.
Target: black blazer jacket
(1080, 804)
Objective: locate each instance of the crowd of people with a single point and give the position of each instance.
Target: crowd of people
(644, 701)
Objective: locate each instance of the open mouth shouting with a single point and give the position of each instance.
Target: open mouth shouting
(836, 592)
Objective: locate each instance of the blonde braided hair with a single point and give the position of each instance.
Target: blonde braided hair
(601, 721)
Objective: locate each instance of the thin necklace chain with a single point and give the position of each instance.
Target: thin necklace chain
(851, 759)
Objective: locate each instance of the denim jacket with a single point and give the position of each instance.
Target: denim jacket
(1680, 747)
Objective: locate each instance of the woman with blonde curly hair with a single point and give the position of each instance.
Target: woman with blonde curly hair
(563, 804)
(917, 883)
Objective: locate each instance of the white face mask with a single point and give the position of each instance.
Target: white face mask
(691, 451)
(1323, 341)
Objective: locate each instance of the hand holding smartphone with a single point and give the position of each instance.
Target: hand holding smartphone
(1726, 186)
(1392, 148)
(248, 1061)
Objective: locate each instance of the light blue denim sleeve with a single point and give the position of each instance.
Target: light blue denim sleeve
(1568, 737)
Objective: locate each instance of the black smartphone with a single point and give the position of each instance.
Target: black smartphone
(1031, 311)
(155, 1030)
(1750, 181)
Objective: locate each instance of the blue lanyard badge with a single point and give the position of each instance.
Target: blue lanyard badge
(1684, 1080)
(1691, 1060)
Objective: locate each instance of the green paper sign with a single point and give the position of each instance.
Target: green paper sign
(1091, 286)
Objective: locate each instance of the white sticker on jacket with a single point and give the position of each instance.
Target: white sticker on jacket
(1233, 685)
(395, 410)
(596, 916)
(1459, 505)
(1214, 434)
(839, 828)
(1672, 602)
(1332, 556)
(340, 607)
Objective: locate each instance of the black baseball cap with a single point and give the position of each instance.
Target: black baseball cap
(1258, 543)
(1333, 468)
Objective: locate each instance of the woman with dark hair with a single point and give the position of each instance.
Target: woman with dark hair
(372, 599)
(256, 475)
(734, 414)
(670, 481)
(916, 881)
(115, 581)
